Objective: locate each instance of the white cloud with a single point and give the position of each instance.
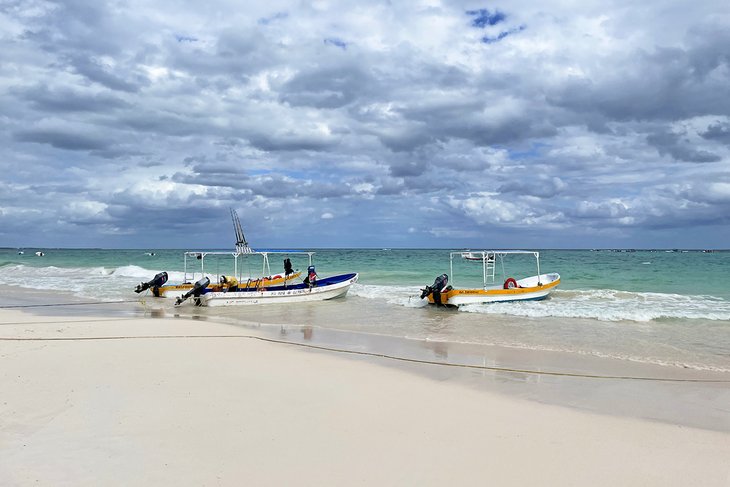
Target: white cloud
(586, 117)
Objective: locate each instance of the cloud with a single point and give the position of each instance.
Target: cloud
(680, 149)
(592, 127)
(62, 139)
(542, 186)
(719, 131)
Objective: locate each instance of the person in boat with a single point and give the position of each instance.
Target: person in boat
(311, 279)
(287, 267)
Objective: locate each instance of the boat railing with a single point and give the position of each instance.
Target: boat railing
(489, 262)
(266, 266)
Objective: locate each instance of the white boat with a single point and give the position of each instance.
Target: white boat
(327, 288)
(159, 287)
(476, 256)
(529, 288)
(221, 282)
(313, 288)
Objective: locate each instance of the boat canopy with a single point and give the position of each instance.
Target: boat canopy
(266, 268)
(489, 261)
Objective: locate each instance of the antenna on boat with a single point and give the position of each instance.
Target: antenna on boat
(241, 244)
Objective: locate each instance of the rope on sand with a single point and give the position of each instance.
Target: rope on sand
(382, 355)
(11, 306)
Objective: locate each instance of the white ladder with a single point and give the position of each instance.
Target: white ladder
(490, 264)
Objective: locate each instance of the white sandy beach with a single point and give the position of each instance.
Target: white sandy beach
(239, 411)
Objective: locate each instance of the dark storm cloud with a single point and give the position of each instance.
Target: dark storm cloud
(63, 139)
(290, 141)
(719, 131)
(657, 83)
(327, 88)
(679, 148)
(66, 99)
(95, 71)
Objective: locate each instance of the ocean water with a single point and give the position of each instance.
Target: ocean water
(657, 307)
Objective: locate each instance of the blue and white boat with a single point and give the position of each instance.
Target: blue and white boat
(312, 288)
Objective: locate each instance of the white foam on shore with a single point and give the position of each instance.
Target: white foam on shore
(408, 296)
(89, 282)
(613, 305)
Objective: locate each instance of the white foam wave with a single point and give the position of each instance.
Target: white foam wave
(612, 305)
(90, 282)
(408, 296)
(142, 274)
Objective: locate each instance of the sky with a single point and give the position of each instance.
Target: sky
(437, 124)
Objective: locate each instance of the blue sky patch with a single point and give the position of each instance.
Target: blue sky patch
(334, 41)
(483, 17)
(273, 18)
(183, 38)
(501, 35)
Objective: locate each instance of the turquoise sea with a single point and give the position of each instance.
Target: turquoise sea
(661, 307)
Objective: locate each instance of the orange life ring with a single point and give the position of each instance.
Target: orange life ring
(510, 283)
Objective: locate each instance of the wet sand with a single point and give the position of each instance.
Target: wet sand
(118, 396)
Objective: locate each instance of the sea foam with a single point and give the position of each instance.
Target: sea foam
(613, 305)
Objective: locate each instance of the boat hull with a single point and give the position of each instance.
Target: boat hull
(328, 288)
(177, 290)
(530, 289)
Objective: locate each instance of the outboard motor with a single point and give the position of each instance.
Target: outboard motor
(196, 291)
(439, 285)
(156, 281)
(287, 267)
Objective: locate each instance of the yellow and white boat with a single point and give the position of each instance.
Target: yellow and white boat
(160, 289)
(227, 282)
(530, 288)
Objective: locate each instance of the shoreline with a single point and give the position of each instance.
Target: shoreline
(680, 396)
(87, 409)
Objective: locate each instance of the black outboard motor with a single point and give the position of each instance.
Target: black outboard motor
(287, 267)
(156, 281)
(439, 285)
(196, 291)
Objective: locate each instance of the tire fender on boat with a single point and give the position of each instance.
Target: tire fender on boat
(510, 283)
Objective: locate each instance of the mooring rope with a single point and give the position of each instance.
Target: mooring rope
(379, 355)
(89, 303)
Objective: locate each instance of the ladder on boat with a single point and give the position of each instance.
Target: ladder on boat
(490, 265)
